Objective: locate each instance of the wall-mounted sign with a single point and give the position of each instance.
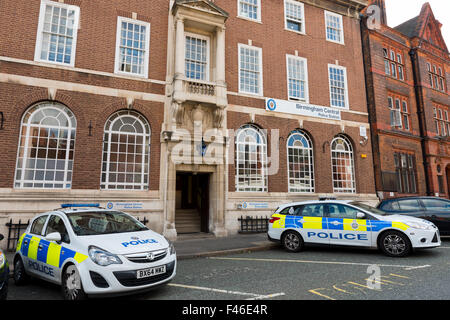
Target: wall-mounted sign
(303, 109)
(124, 205)
(254, 205)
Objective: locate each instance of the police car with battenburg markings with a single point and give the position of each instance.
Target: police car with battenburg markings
(89, 250)
(349, 223)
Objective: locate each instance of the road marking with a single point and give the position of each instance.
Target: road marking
(361, 285)
(399, 276)
(253, 295)
(320, 294)
(323, 262)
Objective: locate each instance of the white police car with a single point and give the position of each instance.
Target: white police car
(93, 251)
(350, 223)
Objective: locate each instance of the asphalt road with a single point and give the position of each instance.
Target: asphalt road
(318, 273)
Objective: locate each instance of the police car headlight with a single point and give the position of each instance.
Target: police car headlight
(418, 225)
(102, 257)
(2, 259)
(171, 248)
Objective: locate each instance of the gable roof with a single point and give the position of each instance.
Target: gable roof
(424, 26)
(205, 3)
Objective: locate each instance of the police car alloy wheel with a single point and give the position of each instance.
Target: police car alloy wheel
(292, 241)
(395, 244)
(72, 288)
(20, 276)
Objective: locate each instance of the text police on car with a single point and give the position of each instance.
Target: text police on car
(93, 251)
(350, 223)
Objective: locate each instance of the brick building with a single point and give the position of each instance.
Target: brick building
(407, 81)
(188, 113)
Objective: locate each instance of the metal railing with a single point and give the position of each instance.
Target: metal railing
(15, 230)
(253, 224)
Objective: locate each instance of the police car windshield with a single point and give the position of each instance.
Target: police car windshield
(368, 208)
(89, 223)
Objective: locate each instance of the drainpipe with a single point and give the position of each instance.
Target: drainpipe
(370, 101)
(418, 90)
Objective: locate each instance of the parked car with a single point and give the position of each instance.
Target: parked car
(4, 274)
(349, 223)
(433, 209)
(93, 251)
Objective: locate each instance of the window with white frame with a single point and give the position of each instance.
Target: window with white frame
(46, 147)
(338, 86)
(250, 69)
(197, 57)
(132, 47)
(126, 150)
(334, 27)
(57, 33)
(300, 162)
(294, 16)
(297, 78)
(250, 9)
(251, 159)
(342, 165)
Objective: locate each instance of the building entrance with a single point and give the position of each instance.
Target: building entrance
(192, 202)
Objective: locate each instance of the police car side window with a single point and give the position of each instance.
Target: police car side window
(291, 211)
(342, 211)
(37, 226)
(56, 224)
(312, 210)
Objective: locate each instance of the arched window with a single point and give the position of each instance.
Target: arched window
(300, 163)
(342, 165)
(126, 150)
(251, 159)
(46, 147)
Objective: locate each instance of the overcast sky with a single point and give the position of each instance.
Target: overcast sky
(399, 11)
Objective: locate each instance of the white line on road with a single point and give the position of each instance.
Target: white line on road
(323, 262)
(253, 295)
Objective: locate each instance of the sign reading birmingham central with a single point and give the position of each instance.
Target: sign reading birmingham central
(301, 108)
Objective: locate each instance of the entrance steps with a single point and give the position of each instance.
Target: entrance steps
(187, 221)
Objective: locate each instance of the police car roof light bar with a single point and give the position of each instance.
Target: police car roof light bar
(80, 205)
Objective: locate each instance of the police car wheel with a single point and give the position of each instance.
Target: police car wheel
(292, 241)
(72, 289)
(395, 244)
(19, 275)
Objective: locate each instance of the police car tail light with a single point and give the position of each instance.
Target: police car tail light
(102, 257)
(273, 219)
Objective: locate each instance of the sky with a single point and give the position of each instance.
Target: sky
(399, 11)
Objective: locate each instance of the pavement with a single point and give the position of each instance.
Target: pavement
(189, 246)
(206, 245)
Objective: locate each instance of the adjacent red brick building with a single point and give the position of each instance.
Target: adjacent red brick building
(407, 83)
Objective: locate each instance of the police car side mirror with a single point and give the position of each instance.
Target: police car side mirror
(360, 215)
(54, 236)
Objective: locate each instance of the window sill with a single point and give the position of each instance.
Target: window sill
(250, 19)
(303, 33)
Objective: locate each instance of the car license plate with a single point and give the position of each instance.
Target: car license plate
(150, 272)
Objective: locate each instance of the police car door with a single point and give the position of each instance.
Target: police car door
(54, 250)
(345, 228)
(31, 248)
(313, 223)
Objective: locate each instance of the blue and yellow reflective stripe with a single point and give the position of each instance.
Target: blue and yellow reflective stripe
(355, 225)
(327, 223)
(313, 223)
(53, 254)
(45, 251)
